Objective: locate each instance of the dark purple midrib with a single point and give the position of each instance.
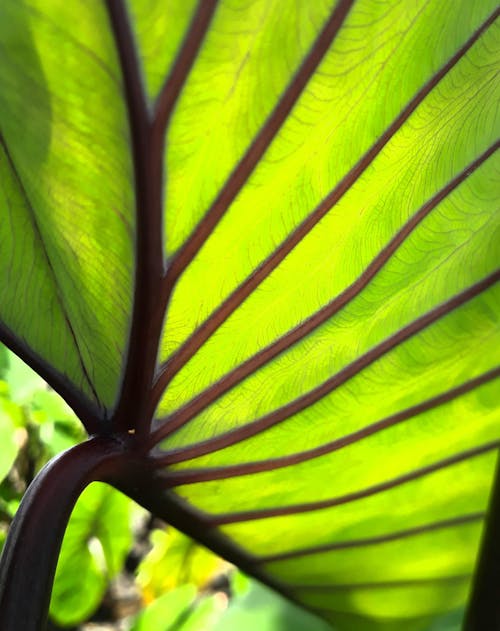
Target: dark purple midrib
(380, 539)
(222, 313)
(138, 363)
(279, 511)
(241, 372)
(148, 140)
(91, 421)
(348, 372)
(189, 476)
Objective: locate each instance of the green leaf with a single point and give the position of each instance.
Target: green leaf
(22, 381)
(59, 429)
(174, 560)
(258, 244)
(95, 545)
(4, 361)
(8, 439)
(165, 613)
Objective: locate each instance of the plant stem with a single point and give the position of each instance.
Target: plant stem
(29, 558)
(483, 611)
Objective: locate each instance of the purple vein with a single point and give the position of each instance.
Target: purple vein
(297, 405)
(279, 511)
(52, 273)
(257, 149)
(380, 539)
(141, 353)
(171, 90)
(148, 140)
(189, 476)
(222, 313)
(166, 103)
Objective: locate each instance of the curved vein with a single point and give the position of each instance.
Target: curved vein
(370, 541)
(277, 416)
(278, 511)
(187, 476)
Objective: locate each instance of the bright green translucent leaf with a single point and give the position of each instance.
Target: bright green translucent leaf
(160, 28)
(324, 176)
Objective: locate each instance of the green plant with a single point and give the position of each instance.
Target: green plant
(253, 246)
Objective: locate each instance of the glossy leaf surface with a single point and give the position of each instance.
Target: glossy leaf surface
(264, 242)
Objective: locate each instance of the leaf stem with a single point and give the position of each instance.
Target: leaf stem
(31, 551)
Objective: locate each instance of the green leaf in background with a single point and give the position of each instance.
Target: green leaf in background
(167, 612)
(59, 429)
(261, 608)
(9, 440)
(260, 241)
(174, 560)
(23, 382)
(253, 607)
(95, 545)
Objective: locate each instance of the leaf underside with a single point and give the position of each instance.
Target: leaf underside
(264, 241)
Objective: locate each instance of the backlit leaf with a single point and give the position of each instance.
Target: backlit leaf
(257, 242)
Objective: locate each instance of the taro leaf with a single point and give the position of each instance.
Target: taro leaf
(95, 545)
(260, 239)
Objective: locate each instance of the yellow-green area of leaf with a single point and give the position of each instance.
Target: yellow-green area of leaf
(175, 560)
(95, 545)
